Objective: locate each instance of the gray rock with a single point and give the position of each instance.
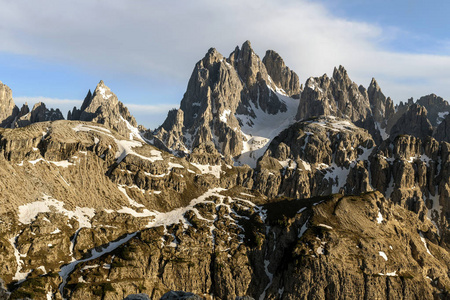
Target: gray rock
(7, 105)
(413, 122)
(180, 295)
(281, 75)
(141, 296)
(39, 113)
(220, 88)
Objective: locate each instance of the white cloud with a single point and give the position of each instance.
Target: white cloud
(165, 38)
(151, 109)
(49, 102)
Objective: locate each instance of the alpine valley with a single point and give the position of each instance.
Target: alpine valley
(257, 187)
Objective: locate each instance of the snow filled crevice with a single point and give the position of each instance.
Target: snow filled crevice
(259, 131)
(270, 276)
(424, 243)
(19, 276)
(68, 269)
(435, 212)
(338, 175)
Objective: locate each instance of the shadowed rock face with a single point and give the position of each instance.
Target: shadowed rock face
(413, 122)
(339, 96)
(39, 113)
(382, 107)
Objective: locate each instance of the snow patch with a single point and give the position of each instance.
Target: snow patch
(259, 131)
(383, 255)
(131, 201)
(441, 117)
(383, 133)
(224, 116)
(380, 217)
(270, 276)
(208, 169)
(20, 276)
(424, 243)
(28, 212)
(103, 91)
(325, 226)
(389, 274)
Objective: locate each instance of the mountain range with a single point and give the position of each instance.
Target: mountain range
(257, 187)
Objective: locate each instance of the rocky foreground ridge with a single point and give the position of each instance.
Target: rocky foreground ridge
(256, 187)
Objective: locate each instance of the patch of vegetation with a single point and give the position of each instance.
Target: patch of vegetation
(98, 292)
(33, 283)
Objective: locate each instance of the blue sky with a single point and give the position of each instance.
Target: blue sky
(417, 26)
(55, 51)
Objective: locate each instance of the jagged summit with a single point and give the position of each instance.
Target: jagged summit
(39, 113)
(413, 122)
(11, 116)
(225, 101)
(281, 75)
(104, 107)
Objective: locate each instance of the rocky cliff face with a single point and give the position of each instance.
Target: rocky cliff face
(12, 117)
(341, 97)
(413, 122)
(39, 113)
(103, 107)
(281, 75)
(226, 100)
(245, 192)
(382, 108)
(6, 102)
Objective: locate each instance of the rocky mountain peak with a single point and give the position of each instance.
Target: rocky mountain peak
(7, 105)
(248, 64)
(104, 91)
(414, 122)
(211, 57)
(338, 96)
(374, 85)
(280, 74)
(341, 77)
(226, 94)
(436, 106)
(382, 107)
(39, 113)
(104, 107)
